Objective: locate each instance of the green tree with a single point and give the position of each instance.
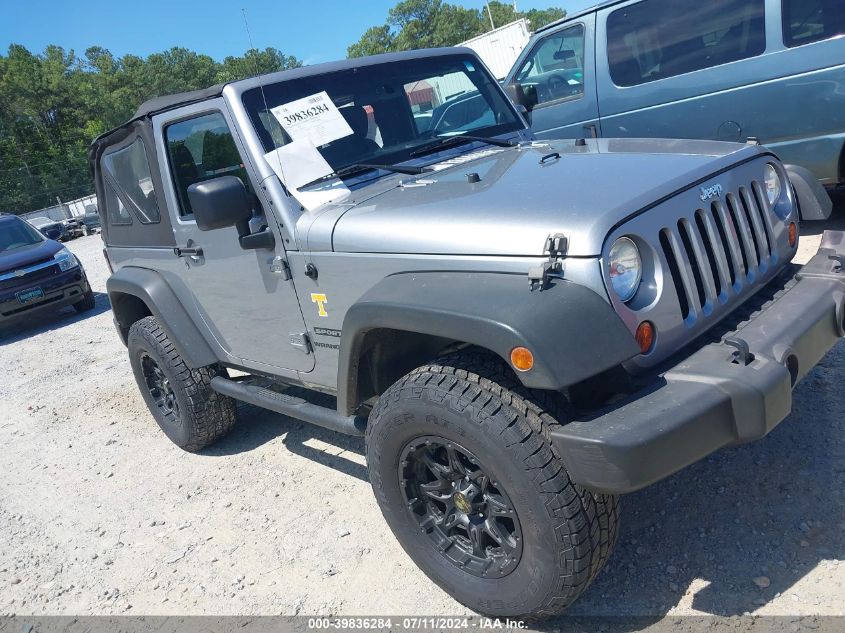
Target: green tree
(502, 13)
(255, 62)
(375, 40)
(53, 104)
(538, 18)
(413, 24)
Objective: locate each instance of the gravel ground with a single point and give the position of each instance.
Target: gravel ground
(100, 514)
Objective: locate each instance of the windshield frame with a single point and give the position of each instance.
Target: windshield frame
(32, 232)
(508, 120)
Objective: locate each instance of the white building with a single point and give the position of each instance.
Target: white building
(500, 47)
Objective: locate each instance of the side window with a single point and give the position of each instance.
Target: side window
(555, 68)
(806, 21)
(200, 149)
(655, 39)
(129, 173)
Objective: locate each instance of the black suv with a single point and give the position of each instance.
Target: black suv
(37, 273)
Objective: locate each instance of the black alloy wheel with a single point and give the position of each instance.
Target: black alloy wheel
(467, 515)
(159, 387)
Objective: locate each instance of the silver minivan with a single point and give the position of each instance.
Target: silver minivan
(727, 70)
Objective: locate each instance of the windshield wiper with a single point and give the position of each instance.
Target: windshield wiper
(358, 168)
(444, 142)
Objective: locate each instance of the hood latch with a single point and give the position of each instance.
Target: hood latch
(538, 276)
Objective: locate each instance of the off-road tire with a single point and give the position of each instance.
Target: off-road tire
(204, 416)
(87, 302)
(475, 400)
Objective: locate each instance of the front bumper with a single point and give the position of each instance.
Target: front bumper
(62, 289)
(717, 396)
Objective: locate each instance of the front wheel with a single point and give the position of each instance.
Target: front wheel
(88, 302)
(463, 471)
(181, 399)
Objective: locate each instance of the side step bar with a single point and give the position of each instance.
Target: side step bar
(290, 405)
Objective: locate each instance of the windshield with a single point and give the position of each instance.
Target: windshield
(16, 233)
(382, 113)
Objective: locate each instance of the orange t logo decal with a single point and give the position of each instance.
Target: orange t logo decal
(320, 299)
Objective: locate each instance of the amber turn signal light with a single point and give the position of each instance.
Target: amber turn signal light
(645, 336)
(793, 234)
(522, 359)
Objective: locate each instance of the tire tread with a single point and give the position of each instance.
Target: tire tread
(210, 415)
(585, 524)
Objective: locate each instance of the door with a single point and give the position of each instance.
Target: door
(555, 81)
(242, 295)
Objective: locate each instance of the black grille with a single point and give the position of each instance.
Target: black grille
(716, 248)
(31, 278)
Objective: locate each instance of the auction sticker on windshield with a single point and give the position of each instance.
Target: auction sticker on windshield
(300, 162)
(314, 118)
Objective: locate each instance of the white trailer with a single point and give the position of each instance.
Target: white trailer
(500, 47)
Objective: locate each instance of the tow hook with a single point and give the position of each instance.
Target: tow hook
(742, 354)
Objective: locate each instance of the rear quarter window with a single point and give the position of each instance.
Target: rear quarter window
(807, 21)
(129, 186)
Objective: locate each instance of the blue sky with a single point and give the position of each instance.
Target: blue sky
(313, 31)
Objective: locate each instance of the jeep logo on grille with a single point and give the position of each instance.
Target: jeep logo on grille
(711, 192)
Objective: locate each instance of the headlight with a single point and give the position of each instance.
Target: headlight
(625, 268)
(773, 184)
(66, 260)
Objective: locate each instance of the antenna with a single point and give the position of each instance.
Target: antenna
(260, 77)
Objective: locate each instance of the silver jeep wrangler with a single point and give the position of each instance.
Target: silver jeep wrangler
(521, 330)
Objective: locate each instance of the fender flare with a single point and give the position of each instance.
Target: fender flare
(813, 201)
(151, 288)
(572, 331)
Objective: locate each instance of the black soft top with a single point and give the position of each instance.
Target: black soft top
(168, 102)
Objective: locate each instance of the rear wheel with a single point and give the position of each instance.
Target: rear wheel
(181, 399)
(463, 470)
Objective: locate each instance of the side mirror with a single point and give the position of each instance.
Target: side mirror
(220, 202)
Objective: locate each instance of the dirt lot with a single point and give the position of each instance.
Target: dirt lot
(100, 514)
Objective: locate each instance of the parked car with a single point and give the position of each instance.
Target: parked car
(49, 228)
(727, 70)
(90, 222)
(37, 273)
(72, 228)
(522, 330)
(460, 113)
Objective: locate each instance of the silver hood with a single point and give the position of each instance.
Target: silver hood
(521, 198)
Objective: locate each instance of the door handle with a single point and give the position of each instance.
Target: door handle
(187, 252)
